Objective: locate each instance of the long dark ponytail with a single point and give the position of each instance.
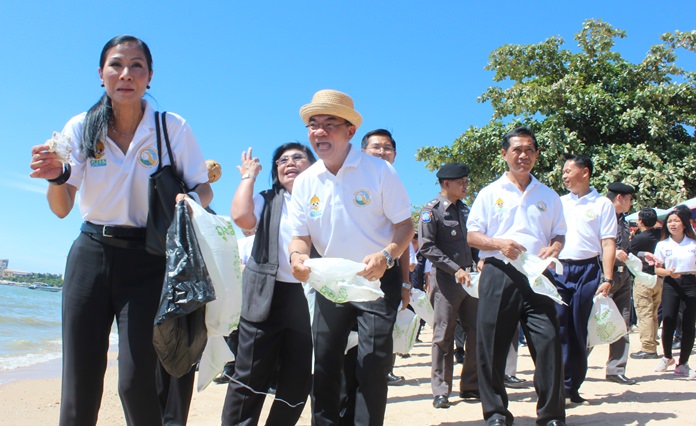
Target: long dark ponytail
(99, 116)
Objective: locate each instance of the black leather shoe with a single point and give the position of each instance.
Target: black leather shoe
(621, 379)
(556, 423)
(470, 395)
(441, 401)
(575, 398)
(459, 355)
(644, 355)
(393, 379)
(515, 383)
(496, 422)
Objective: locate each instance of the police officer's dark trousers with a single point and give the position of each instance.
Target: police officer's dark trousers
(505, 298)
(332, 323)
(103, 282)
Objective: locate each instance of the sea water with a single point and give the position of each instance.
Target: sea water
(30, 328)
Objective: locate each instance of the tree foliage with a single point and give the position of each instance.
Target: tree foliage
(636, 121)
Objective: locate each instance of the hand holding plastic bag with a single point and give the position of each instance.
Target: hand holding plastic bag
(533, 267)
(636, 267)
(473, 287)
(420, 302)
(404, 334)
(606, 325)
(336, 280)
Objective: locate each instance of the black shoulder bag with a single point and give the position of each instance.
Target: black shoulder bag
(165, 184)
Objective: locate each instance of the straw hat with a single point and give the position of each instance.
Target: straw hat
(214, 170)
(331, 102)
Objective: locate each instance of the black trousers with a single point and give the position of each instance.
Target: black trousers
(283, 340)
(174, 395)
(505, 298)
(332, 323)
(103, 282)
(675, 292)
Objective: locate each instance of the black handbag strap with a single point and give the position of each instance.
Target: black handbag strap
(166, 139)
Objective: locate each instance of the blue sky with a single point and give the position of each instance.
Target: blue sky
(239, 72)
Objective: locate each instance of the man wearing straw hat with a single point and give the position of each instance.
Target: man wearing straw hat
(349, 205)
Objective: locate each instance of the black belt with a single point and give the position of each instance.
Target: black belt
(117, 236)
(580, 262)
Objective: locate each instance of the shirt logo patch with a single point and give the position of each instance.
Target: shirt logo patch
(314, 210)
(147, 157)
(362, 198)
(426, 217)
(499, 203)
(590, 215)
(541, 205)
(99, 160)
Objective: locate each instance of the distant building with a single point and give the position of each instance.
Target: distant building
(4, 263)
(11, 273)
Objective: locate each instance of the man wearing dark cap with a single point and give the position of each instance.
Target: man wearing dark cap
(442, 240)
(621, 196)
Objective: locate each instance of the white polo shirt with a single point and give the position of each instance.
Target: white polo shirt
(590, 219)
(531, 218)
(114, 186)
(351, 214)
(680, 256)
(285, 235)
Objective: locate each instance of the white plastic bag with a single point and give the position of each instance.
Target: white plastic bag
(606, 325)
(404, 333)
(336, 280)
(533, 267)
(473, 288)
(218, 244)
(420, 302)
(636, 267)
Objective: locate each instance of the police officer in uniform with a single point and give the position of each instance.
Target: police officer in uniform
(621, 195)
(442, 240)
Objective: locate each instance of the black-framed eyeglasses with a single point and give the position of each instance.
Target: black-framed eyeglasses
(377, 148)
(285, 159)
(328, 127)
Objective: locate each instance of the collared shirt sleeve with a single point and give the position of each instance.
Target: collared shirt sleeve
(609, 223)
(297, 208)
(396, 204)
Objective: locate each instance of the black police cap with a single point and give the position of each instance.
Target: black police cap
(453, 171)
(620, 188)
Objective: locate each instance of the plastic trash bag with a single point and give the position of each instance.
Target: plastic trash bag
(218, 245)
(606, 324)
(179, 331)
(635, 265)
(472, 289)
(336, 280)
(420, 302)
(533, 267)
(405, 328)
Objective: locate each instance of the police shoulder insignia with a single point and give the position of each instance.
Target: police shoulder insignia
(426, 217)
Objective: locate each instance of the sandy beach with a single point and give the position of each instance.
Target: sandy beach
(657, 399)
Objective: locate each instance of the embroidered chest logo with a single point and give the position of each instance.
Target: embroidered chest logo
(147, 157)
(362, 198)
(499, 204)
(541, 205)
(99, 160)
(314, 210)
(590, 215)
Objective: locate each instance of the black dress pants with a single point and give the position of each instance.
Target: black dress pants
(283, 344)
(102, 283)
(332, 323)
(505, 298)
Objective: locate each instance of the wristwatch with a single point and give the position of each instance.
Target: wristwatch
(390, 259)
(608, 280)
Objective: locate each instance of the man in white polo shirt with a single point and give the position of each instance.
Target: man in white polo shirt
(590, 247)
(349, 205)
(517, 213)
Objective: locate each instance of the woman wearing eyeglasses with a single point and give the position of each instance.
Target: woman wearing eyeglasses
(275, 338)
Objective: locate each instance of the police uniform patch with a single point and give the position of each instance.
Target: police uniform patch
(426, 217)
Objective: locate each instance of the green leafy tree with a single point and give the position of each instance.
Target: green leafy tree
(636, 121)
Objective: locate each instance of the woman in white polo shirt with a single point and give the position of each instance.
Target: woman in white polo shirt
(676, 261)
(108, 273)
